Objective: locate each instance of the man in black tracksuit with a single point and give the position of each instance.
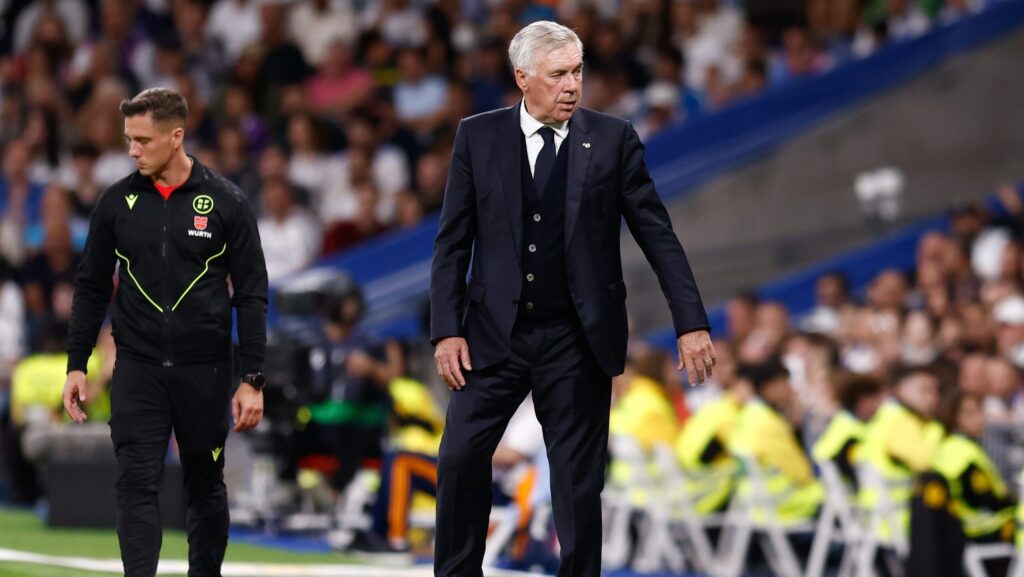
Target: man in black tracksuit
(179, 232)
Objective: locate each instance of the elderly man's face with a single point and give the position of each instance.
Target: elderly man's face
(554, 90)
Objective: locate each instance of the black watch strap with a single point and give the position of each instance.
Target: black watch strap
(255, 380)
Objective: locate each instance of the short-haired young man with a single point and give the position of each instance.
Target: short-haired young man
(179, 231)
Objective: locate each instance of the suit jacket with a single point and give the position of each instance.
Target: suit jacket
(481, 230)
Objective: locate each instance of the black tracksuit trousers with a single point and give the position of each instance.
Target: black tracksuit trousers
(147, 402)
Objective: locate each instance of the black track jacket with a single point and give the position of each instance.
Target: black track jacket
(173, 304)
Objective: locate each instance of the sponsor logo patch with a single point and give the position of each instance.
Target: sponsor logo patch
(202, 204)
(200, 222)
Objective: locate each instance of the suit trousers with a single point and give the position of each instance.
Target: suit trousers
(571, 395)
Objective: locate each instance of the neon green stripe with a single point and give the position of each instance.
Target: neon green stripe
(195, 280)
(137, 285)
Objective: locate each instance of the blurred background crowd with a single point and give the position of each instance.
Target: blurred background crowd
(337, 117)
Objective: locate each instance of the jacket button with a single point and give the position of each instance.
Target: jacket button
(515, 303)
(536, 218)
(529, 306)
(529, 277)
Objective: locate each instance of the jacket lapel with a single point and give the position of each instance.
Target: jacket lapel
(579, 161)
(508, 152)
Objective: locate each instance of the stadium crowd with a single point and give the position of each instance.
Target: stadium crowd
(337, 117)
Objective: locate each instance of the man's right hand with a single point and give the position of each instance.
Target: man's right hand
(74, 392)
(452, 355)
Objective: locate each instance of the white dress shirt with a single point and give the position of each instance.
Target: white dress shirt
(534, 141)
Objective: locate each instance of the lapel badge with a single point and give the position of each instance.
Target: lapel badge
(586, 145)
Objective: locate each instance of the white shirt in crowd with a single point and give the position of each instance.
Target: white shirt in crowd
(390, 174)
(315, 31)
(235, 23)
(289, 245)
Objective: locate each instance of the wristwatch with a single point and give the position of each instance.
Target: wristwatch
(255, 380)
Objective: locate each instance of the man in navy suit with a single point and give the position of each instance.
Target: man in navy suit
(533, 207)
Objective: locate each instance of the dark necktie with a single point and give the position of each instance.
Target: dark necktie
(545, 160)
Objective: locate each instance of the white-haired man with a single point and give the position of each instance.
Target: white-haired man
(534, 199)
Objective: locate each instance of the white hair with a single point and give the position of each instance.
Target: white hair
(541, 35)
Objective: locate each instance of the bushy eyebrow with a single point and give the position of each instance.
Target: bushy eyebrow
(563, 70)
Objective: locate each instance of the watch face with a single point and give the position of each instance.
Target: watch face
(257, 381)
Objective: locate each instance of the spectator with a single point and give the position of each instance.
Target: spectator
(901, 439)
(388, 165)
(858, 398)
(832, 298)
(47, 276)
(51, 23)
(238, 110)
(317, 25)
(739, 313)
(363, 224)
(339, 87)
(233, 160)
(701, 446)
(982, 502)
(282, 63)
(377, 56)
(765, 433)
(43, 137)
(1004, 397)
(800, 57)
(206, 58)
(13, 342)
(234, 24)
(104, 135)
(351, 373)
(408, 210)
(401, 22)
(642, 409)
(490, 79)
(431, 173)
(310, 166)
(1008, 315)
(20, 200)
(419, 95)
(56, 209)
(85, 191)
(291, 237)
(906, 19)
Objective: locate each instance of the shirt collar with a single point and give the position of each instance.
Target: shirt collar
(531, 125)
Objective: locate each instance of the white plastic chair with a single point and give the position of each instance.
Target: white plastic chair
(656, 548)
(975, 556)
(683, 510)
(885, 512)
(756, 512)
(837, 523)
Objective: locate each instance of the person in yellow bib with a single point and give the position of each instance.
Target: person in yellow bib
(900, 443)
(859, 397)
(980, 497)
(962, 499)
(641, 410)
(701, 447)
(765, 432)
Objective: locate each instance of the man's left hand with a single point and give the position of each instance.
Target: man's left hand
(247, 407)
(697, 356)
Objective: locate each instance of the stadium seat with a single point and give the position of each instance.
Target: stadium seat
(655, 549)
(754, 511)
(837, 523)
(885, 524)
(696, 542)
